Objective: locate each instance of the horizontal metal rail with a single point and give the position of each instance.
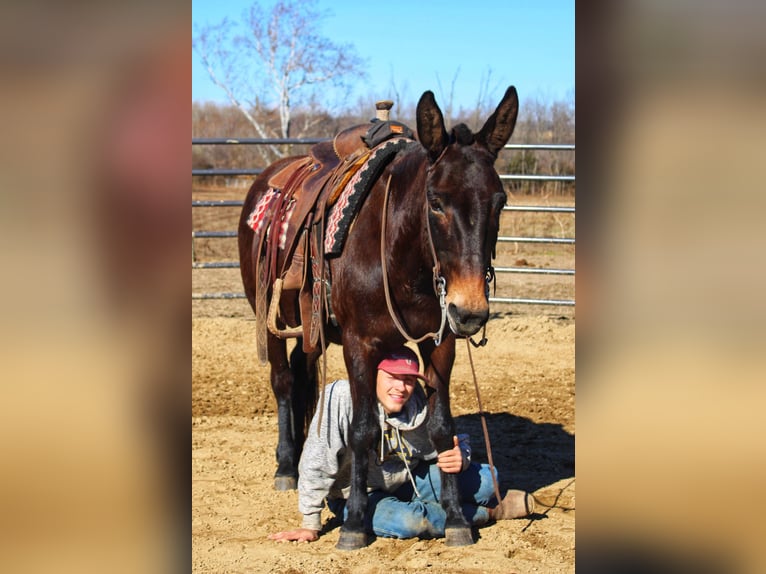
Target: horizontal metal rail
(215, 265)
(535, 270)
(526, 208)
(565, 302)
(311, 141)
(540, 208)
(522, 177)
(529, 270)
(518, 300)
(218, 296)
(219, 203)
(226, 171)
(561, 240)
(550, 147)
(515, 177)
(258, 141)
(501, 239)
(213, 234)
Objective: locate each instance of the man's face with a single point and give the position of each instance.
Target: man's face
(394, 391)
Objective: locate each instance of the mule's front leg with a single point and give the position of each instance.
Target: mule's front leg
(441, 428)
(363, 432)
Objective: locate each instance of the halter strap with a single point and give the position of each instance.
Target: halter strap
(440, 284)
(436, 268)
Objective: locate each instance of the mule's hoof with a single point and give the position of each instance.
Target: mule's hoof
(285, 483)
(351, 540)
(458, 537)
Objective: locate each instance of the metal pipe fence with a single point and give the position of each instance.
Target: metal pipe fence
(204, 234)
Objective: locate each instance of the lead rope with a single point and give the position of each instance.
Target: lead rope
(404, 460)
(440, 284)
(484, 426)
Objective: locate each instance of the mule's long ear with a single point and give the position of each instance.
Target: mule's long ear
(430, 123)
(498, 128)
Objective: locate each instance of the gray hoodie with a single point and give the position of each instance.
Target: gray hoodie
(325, 464)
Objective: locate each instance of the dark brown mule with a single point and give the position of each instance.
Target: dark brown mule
(444, 200)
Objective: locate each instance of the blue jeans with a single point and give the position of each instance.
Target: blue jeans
(401, 514)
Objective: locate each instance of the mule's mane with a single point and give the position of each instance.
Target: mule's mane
(462, 134)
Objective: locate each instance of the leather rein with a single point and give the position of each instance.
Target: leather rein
(440, 283)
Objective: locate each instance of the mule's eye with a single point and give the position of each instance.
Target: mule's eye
(436, 205)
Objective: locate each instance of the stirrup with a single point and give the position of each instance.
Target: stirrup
(287, 332)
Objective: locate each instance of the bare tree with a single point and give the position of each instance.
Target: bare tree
(484, 100)
(448, 97)
(276, 61)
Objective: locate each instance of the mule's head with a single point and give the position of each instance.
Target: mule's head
(464, 200)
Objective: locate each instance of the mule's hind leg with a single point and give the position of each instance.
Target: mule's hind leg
(282, 382)
(304, 392)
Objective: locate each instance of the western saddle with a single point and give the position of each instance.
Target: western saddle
(308, 186)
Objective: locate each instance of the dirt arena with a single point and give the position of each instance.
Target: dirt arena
(527, 384)
(526, 377)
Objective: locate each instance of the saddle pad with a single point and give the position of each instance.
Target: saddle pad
(256, 219)
(351, 198)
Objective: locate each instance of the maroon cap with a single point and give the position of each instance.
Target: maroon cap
(403, 361)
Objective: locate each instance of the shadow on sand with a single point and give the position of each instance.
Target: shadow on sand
(528, 455)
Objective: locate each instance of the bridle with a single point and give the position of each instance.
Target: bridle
(439, 282)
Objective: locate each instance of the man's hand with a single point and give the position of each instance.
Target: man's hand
(297, 535)
(451, 461)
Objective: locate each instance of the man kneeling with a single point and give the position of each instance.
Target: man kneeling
(404, 484)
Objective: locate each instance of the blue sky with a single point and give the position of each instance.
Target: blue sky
(530, 44)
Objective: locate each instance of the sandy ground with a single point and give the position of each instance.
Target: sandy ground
(526, 378)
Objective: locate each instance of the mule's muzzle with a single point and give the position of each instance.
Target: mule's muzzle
(465, 322)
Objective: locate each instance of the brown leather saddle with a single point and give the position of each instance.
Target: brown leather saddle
(309, 185)
(314, 181)
(290, 247)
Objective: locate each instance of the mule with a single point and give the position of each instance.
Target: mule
(421, 273)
